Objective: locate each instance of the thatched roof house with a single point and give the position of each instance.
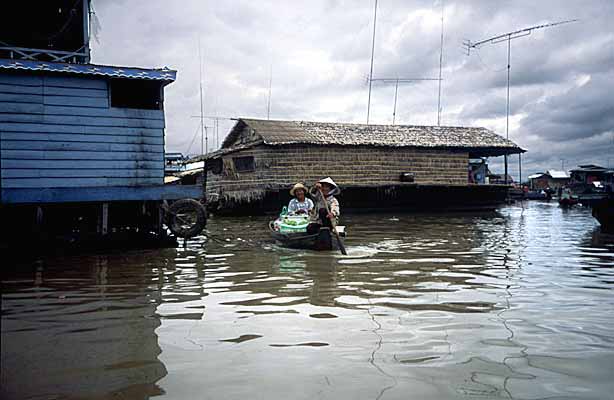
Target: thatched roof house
(478, 142)
(262, 156)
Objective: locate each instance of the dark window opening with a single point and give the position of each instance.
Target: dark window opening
(244, 164)
(215, 166)
(132, 93)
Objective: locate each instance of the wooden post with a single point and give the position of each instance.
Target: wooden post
(160, 230)
(39, 219)
(86, 31)
(105, 219)
(144, 223)
(205, 167)
(520, 169)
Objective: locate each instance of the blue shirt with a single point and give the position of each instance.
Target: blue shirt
(304, 207)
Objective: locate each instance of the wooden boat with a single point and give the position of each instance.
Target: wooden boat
(323, 240)
(568, 201)
(537, 195)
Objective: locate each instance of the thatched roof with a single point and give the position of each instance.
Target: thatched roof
(477, 141)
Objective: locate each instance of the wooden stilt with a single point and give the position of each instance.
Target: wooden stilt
(39, 219)
(105, 219)
(160, 229)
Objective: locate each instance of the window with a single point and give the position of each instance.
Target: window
(136, 93)
(244, 164)
(215, 166)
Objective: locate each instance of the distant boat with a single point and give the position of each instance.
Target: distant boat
(567, 199)
(568, 202)
(537, 195)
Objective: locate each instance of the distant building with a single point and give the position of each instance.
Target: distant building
(173, 163)
(553, 179)
(377, 166)
(589, 173)
(591, 183)
(499, 179)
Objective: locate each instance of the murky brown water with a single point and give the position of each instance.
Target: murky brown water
(513, 305)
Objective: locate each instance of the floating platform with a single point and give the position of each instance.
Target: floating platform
(356, 199)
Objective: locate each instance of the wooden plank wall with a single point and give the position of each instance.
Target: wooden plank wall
(60, 132)
(283, 166)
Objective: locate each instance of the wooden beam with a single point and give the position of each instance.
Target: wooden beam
(95, 194)
(105, 219)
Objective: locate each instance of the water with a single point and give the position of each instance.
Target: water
(512, 305)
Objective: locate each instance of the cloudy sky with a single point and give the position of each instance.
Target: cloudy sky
(317, 55)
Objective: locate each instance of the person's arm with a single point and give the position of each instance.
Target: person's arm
(315, 190)
(334, 207)
(311, 205)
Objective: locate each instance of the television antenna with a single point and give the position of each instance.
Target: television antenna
(396, 82)
(440, 64)
(196, 134)
(268, 105)
(372, 53)
(503, 38)
(216, 125)
(204, 139)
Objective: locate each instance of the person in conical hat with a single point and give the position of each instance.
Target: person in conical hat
(324, 191)
(299, 204)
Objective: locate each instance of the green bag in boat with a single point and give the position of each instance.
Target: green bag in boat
(292, 223)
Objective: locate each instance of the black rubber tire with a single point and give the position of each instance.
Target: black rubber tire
(187, 206)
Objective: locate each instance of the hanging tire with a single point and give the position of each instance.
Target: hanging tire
(186, 218)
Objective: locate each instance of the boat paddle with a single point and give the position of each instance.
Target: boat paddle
(332, 224)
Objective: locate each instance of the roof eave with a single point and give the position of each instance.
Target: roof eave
(163, 75)
(493, 151)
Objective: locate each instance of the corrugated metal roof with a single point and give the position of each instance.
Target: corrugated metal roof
(163, 74)
(589, 168)
(481, 140)
(557, 174)
(535, 176)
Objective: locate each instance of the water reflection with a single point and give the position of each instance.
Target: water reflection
(81, 328)
(515, 304)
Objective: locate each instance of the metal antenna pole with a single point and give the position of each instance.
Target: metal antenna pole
(396, 91)
(215, 126)
(206, 141)
(396, 81)
(508, 37)
(203, 138)
(268, 106)
(507, 114)
(440, 64)
(371, 71)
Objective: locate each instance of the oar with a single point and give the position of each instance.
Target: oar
(332, 223)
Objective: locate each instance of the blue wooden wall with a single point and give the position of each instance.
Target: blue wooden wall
(60, 132)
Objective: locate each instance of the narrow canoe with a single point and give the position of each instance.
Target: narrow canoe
(323, 240)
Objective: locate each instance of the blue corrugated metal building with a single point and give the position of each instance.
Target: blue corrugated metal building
(78, 141)
(74, 132)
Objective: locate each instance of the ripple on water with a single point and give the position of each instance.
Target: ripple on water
(515, 304)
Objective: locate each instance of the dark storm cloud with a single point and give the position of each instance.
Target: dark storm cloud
(561, 78)
(582, 112)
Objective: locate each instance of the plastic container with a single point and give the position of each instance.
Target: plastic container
(292, 224)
